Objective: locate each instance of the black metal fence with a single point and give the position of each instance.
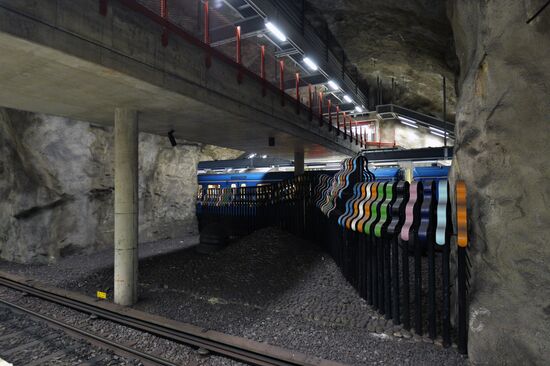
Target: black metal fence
(392, 240)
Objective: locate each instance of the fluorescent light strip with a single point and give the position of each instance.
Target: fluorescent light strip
(312, 65)
(358, 109)
(333, 85)
(407, 119)
(437, 134)
(409, 124)
(347, 98)
(276, 32)
(436, 129)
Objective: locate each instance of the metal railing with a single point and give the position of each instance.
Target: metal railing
(408, 281)
(193, 22)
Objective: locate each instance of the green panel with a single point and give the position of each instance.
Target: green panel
(374, 213)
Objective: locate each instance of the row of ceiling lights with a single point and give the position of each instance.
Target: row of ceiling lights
(433, 130)
(333, 86)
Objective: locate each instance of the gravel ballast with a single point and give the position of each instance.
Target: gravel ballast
(269, 286)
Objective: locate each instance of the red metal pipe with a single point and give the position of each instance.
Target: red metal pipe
(297, 92)
(344, 123)
(103, 7)
(238, 55)
(282, 80)
(357, 134)
(337, 120)
(310, 98)
(164, 15)
(262, 69)
(208, 58)
(320, 108)
(329, 114)
(238, 37)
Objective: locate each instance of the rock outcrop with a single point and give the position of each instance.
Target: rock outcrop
(501, 151)
(410, 41)
(57, 179)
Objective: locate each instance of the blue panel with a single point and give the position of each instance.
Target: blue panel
(387, 174)
(430, 172)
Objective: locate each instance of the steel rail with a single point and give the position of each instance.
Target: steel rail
(83, 334)
(218, 347)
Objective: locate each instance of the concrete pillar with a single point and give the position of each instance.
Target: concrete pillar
(299, 162)
(407, 170)
(126, 206)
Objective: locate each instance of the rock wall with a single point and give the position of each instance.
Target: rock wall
(57, 179)
(502, 149)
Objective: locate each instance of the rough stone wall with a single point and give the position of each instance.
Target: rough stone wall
(502, 149)
(57, 179)
(410, 41)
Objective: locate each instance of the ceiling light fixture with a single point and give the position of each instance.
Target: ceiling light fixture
(436, 129)
(310, 64)
(275, 31)
(348, 99)
(409, 124)
(333, 85)
(358, 109)
(437, 134)
(407, 119)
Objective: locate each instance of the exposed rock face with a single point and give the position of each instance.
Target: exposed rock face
(503, 131)
(56, 186)
(410, 41)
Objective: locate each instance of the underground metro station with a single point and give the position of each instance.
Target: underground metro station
(274, 182)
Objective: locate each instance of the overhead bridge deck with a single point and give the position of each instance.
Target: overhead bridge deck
(66, 58)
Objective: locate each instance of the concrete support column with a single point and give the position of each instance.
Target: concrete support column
(299, 162)
(407, 170)
(126, 206)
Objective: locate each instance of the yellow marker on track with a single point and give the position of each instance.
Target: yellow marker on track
(101, 295)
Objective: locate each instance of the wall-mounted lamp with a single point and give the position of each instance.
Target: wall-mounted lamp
(172, 138)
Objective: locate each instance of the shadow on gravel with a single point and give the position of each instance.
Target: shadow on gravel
(255, 270)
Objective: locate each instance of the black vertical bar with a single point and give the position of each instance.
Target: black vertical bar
(395, 280)
(417, 283)
(368, 269)
(380, 254)
(444, 111)
(374, 272)
(387, 281)
(432, 332)
(461, 274)
(446, 311)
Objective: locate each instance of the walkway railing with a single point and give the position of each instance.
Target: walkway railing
(194, 21)
(392, 240)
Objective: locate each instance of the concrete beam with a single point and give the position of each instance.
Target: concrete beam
(126, 206)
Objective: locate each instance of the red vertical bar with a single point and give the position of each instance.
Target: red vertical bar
(164, 15)
(297, 92)
(357, 133)
(329, 114)
(238, 54)
(344, 123)
(310, 98)
(337, 120)
(262, 69)
(282, 81)
(320, 108)
(208, 58)
(103, 7)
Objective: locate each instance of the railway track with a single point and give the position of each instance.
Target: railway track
(238, 349)
(47, 332)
